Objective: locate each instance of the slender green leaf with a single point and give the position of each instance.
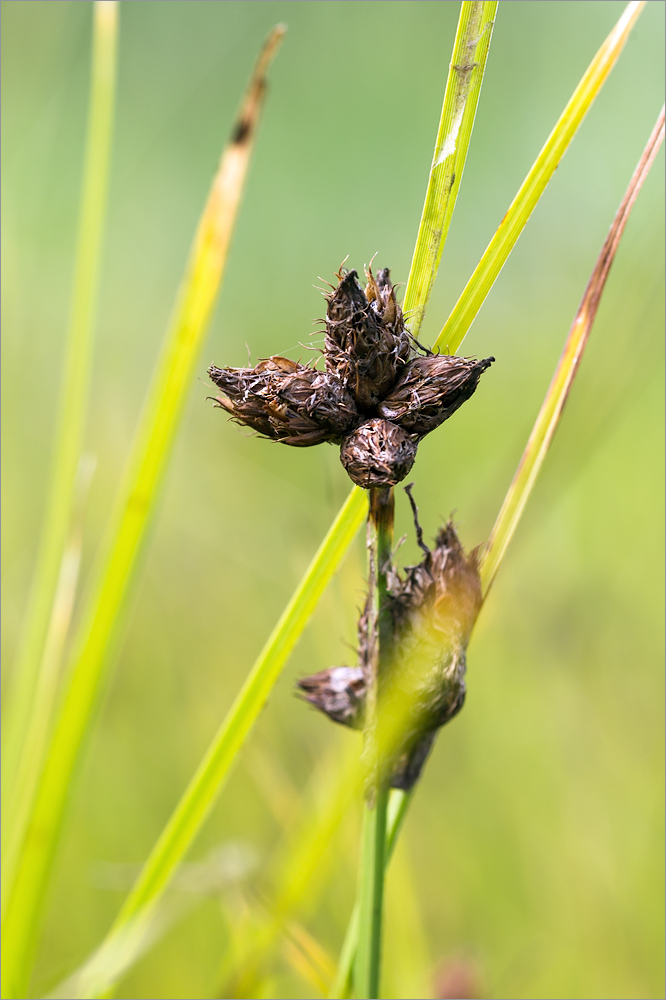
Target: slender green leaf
(72, 407)
(461, 97)
(522, 206)
(552, 407)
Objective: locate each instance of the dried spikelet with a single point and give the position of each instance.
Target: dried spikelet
(433, 608)
(378, 453)
(366, 343)
(338, 692)
(286, 401)
(430, 389)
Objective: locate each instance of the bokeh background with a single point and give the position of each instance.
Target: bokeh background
(532, 858)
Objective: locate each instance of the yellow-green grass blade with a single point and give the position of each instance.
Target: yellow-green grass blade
(522, 206)
(46, 691)
(461, 97)
(137, 499)
(552, 407)
(70, 419)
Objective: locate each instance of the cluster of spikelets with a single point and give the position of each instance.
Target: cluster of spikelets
(433, 607)
(377, 396)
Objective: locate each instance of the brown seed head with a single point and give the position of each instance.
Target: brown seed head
(286, 401)
(378, 453)
(430, 389)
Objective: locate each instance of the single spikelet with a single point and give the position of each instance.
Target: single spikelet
(430, 389)
(339, 692)
(366, 343)
(286, 401)
(378, 453)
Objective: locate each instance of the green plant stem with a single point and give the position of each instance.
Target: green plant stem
(70, 421)
(398, 803)
(373, 854)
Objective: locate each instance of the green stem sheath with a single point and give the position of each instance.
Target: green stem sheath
(373, 855)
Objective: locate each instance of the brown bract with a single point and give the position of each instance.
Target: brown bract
(286, 401)
(366, 342)
(430, 389)
(378, 453)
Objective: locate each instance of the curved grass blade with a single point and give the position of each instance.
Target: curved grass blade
(73, 400)
(461, 97)
(138, 494)
(466, 308)
(552, 407)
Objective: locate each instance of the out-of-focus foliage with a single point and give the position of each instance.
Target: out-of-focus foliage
(533, 849)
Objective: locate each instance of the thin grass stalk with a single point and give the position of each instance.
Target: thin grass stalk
(373, 853)
(552, 407)
(461, 98)
(45, 698)
(487, 270)
(138, 494)
(70, 419)
(341, 986)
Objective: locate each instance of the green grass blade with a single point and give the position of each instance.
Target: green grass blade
(552, 407)
(137, 499)
(45, 698)
(513, 223)
(461, 97)
(74, 390)
(398, 805)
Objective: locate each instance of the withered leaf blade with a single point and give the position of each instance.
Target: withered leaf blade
(430, 389)
(366, 343)
(378, 453)
(288, 402)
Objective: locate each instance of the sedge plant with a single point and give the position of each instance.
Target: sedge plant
(32, 858)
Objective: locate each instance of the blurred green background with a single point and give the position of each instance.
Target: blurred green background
(533, 853)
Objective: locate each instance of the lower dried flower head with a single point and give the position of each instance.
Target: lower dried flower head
(430, 389)
(378, 453)
(286, 401)
(433, 609)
